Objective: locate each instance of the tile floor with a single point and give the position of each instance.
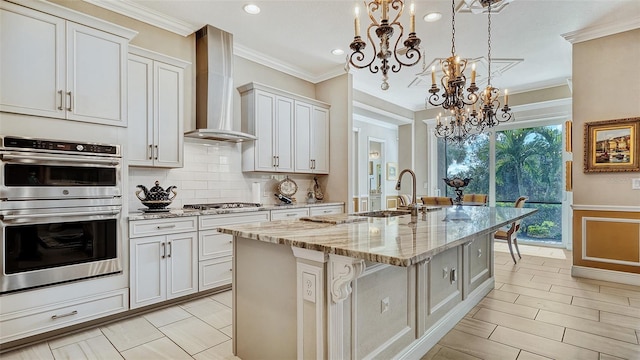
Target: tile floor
(537, 311)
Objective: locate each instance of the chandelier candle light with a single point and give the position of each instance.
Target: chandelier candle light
(384, 30)
(488, 116)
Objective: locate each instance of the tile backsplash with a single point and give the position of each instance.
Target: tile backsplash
(212, 173)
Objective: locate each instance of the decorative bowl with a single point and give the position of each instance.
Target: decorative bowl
(156, 204)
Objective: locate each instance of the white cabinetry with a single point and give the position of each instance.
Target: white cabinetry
(292, 131)
(54, 67)
(156, 109)
(163, 255)
(312, 138)
(289, 214)
(270, 118)
(326, 210)
(215, 253)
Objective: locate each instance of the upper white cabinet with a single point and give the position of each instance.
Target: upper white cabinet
(55, 63)
(270, 118)
(312, 138)
(292, 131)
(155, 109)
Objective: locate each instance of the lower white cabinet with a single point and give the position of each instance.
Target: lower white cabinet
(289, 214)
(215, 252)
(19, 324)
(163, 266)
(326, 210)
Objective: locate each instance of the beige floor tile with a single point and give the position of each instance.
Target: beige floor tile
(477, 346)
(497, 285)
(525, 355)
(546, 274)
(446, 353)
(472, 311)
(566, 283)
(620, 320)
(70, 339)
(554, 306)
(609, 284)
(562, 264)
(609, 357)
(589, 326)
(196, 302)
(616, 299)
(565, 271)
(513, 274)
(222, 351)
(39, 351)
(509, 308)
(94, 348)
(224, 298)
(503, 295)
(543, 268)
(159, 349)
(634, 302)
(541, 346)
(512, 280)
(227, 330)
(130, 333)
(213, 313)
(605, 345)
(475, 327)
(534, 327)
(532, 260)
(537, 293)
(431, 353)
(167, 316)
(193, 335)
(605, 306)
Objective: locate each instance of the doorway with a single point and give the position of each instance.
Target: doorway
(375, 173)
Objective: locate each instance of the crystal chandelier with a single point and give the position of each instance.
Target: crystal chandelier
(383, 30)
(489, 102)
(453, 97)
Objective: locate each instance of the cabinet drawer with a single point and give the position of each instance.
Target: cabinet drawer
(162, 226)
(211, 222)
(213, 244)
(215, 273)
(289, 214)
(325, 210)
(21, 324)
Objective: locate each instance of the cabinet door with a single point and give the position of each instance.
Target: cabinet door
(319, 140)
(182, 264)
(444, 284)
(148, 270)
(264, 146)
(32, 57)
(284, 134)
(96, 76)
(140, 110)
(168, 119)
(303, 137)
(478, 261)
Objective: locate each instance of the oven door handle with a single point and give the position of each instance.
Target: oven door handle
(83, 160)
(9, 218)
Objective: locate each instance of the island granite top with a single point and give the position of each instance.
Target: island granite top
(400, 240)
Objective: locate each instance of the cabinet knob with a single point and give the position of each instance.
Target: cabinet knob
(479, 252)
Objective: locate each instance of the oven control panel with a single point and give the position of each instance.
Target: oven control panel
(64, 146)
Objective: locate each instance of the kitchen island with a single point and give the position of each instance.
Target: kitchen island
(351, 287)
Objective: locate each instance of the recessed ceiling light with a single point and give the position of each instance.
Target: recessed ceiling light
(431, 17)
(251, 9)
(337, 51)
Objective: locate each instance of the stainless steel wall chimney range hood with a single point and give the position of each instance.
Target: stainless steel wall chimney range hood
(214, 87)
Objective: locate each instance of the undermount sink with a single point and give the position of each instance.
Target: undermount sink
(384, 213)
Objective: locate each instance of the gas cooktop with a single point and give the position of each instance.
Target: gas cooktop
(228, 205)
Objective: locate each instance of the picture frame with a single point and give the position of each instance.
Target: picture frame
(612, 145)
(392, 171)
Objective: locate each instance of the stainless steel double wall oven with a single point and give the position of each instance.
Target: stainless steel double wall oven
(60, 211)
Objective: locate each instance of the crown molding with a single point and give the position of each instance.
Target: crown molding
(146, 15)
(595, 32)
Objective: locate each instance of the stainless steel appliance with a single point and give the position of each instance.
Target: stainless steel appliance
(60, 211)
(227, 205)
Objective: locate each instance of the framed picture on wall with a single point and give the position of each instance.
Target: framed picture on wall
(612, 145)
(392, 171)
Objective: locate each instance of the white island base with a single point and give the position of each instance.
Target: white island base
(294, 303)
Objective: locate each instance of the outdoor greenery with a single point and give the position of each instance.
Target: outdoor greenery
(528, 162)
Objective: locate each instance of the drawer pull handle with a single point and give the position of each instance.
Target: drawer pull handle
(454, 275)
(327, 211)
(169, 254)
(61, 100)
(479, 252)
(164, 250)
(74, 312)
(70, 108)
(291, 214)
(165, 226)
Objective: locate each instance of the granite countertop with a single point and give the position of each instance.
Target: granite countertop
(400, 240)
(173, 213)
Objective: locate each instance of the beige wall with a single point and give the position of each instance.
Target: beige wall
(606, 86)
(338, 92)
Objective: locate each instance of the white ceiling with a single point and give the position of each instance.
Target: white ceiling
(298, 36)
